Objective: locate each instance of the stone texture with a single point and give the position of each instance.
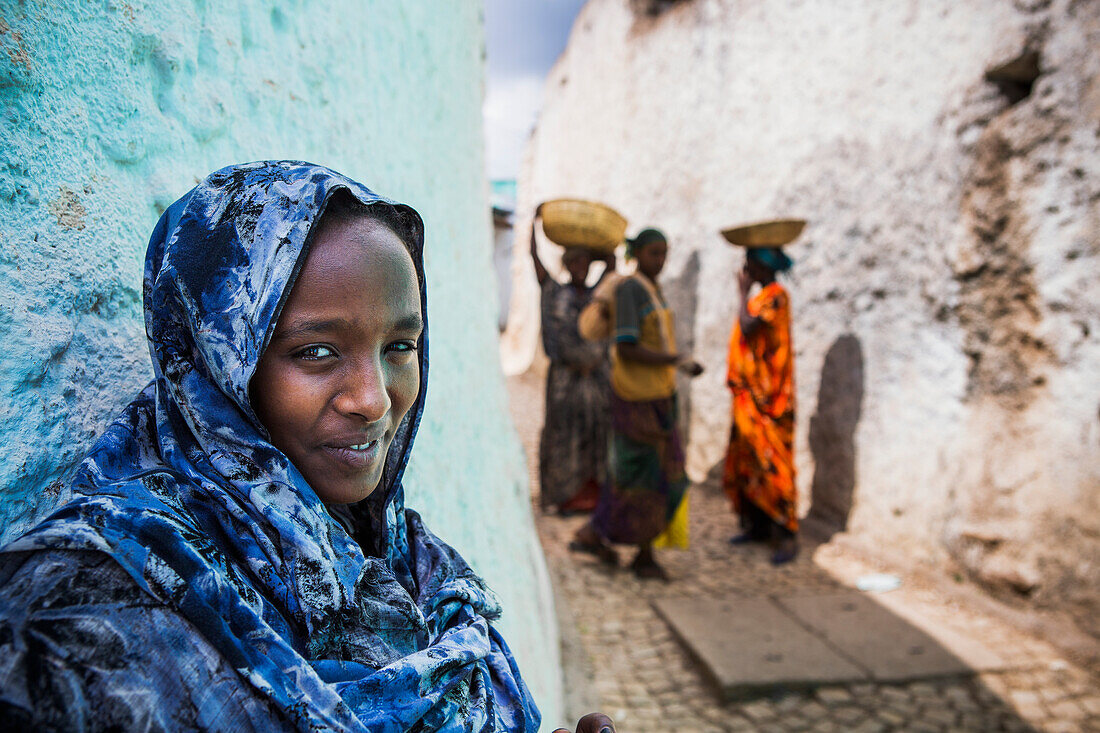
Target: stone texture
(882, 643)
(748, 645)
(112, 110)
(945, 308)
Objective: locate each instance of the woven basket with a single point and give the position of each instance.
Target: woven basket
(773, 233)
(577, 223)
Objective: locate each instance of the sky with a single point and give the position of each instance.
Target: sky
(523, 39)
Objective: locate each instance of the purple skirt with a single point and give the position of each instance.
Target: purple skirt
(646, 478)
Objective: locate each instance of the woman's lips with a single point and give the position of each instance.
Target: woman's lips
(358, 456)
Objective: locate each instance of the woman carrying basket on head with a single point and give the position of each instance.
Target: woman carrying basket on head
(646, 480)
(573, 444)
(759, 469)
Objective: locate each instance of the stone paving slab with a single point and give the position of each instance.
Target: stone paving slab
(965, 642)
(750, 645)
(889, 647)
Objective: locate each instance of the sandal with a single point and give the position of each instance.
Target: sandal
(649, 570)
(605, 553)
(785, 553)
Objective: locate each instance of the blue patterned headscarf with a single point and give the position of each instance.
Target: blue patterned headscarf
(188, 495)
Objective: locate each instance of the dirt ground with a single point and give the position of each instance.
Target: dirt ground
(621, 657)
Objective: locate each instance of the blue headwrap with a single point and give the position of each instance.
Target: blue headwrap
(772, 258)
(187, 495)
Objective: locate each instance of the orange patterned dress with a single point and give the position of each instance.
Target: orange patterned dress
(759, 467)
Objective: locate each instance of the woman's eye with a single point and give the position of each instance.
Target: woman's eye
(402, 347)
(315, 352)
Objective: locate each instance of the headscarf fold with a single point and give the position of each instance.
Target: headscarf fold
(644, 237)
(188, 495)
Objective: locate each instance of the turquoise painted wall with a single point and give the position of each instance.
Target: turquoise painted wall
(111, 110)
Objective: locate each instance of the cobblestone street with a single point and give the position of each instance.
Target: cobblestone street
(622, 658)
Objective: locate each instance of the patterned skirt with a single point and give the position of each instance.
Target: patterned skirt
(646, 480)
(573, 446)
(759, 474)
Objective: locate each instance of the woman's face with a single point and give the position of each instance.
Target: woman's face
(758, 273)
(651, 258)
(342, 368)
(577, 262)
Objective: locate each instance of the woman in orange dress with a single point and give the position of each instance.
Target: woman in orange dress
(759, 470)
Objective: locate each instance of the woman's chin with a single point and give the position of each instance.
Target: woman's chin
(346, 494)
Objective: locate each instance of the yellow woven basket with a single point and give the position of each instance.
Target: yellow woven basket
(579, 223)
(774, 233)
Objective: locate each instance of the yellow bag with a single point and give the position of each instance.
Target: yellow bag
(676, 533)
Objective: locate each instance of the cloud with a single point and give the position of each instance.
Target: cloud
(525, 36)
(512, 104)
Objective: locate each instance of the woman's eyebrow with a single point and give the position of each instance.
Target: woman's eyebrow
(411, 322)
(302, 328)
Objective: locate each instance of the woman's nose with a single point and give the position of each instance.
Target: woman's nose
(363, 391)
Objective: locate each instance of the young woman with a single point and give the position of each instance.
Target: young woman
(238, 555)
(759, 469)
(573, 445)
(647, 479)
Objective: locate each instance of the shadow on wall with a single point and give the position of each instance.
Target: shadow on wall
(652, 8)
(681, 296)
(832, 435)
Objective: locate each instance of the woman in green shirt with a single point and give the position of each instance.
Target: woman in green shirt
(646, 481)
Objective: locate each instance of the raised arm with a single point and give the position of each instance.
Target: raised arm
(608, 259)
(750, 324)
(540, 269)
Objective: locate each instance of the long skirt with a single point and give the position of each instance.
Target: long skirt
(646, 480)
(759, 475)
(573, 446)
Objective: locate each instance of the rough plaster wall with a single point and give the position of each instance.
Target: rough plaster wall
(113, 110)
(945, 296)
